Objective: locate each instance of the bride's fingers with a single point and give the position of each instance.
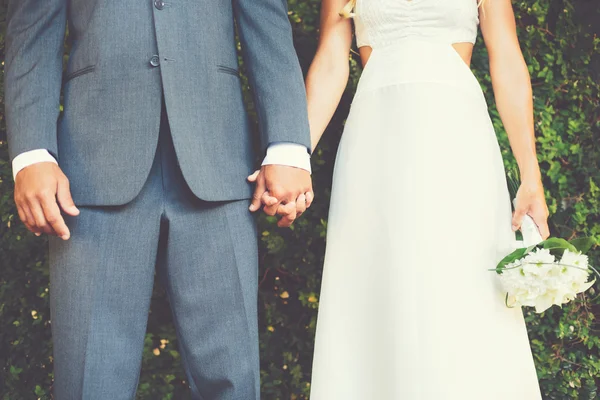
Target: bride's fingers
(285, 209)
(301, 205)
(310, 196)
(259, 192)
(542, 224)
(271, 204)
(254, 176)
(269, 200)
(289, 216)
(517, 219)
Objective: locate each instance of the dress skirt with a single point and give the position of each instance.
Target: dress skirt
(420, 212)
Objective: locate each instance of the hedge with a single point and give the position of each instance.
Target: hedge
(559, 40)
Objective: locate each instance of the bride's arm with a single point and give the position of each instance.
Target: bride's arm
(513, 94)
(329, 71)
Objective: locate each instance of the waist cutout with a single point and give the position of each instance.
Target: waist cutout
(415, 60)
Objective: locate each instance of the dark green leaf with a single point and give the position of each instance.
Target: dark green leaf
(583, 244)
(557, 244)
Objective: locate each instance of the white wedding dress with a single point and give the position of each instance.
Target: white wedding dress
(419, 212)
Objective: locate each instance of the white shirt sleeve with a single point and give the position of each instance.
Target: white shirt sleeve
(28, 158)
(281, 153)
(289, 154)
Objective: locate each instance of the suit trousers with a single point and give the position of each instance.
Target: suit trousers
(205, 254)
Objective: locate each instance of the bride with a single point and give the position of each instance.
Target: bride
(420, 208)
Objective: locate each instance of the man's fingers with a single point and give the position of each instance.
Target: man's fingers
(41, 190)
(63, 194)
(517, 219)
(261, 195)
(27, 219)
(259, 190)
(285, 184)
(30, 224)
(54, 219)
(39, 218)
(22, 214)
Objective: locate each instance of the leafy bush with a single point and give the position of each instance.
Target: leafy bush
(559, 42)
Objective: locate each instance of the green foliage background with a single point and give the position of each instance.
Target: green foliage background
(560, 43)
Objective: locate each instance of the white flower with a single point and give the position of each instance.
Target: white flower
(576, 259)
(539, 262)
(539, 280)
(539, 256)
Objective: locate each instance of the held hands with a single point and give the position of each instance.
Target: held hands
(282, 190)
(39, 191)
(530, 200)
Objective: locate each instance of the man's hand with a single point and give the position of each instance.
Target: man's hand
(39, 190)
(283, 190)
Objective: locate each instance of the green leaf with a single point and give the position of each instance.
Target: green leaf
(557, 244)
(39, 391)
(512, 257)
(583, 244)
(512, 177)
(15, 371)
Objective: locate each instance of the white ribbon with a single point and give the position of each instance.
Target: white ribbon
(530, 231)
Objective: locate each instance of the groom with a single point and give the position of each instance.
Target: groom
(146, 169)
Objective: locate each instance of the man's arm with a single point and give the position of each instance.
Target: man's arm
(280, 99)
(33, 75)
(274, 71)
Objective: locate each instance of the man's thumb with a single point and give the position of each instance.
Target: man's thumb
(63, 194)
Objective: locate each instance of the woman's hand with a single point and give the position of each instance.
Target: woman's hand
(530, 200)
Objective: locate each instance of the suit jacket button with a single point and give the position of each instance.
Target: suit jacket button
(155, 61)
(159, 4)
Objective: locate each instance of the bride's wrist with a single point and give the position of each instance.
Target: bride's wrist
(530, 175)
(531, 185)
(531, 180)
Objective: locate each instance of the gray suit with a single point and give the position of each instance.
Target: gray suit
(155, 140)
(125, 55)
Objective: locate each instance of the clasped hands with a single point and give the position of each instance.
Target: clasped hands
(282, 190)
(42, 190)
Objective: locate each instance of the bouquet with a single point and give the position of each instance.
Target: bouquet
(541, 273)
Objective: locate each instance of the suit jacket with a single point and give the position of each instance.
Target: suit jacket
(125, 56)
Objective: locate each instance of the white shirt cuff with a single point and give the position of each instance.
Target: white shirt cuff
(28, 158)
(289, 154)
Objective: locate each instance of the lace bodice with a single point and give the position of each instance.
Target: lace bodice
(382, 22)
